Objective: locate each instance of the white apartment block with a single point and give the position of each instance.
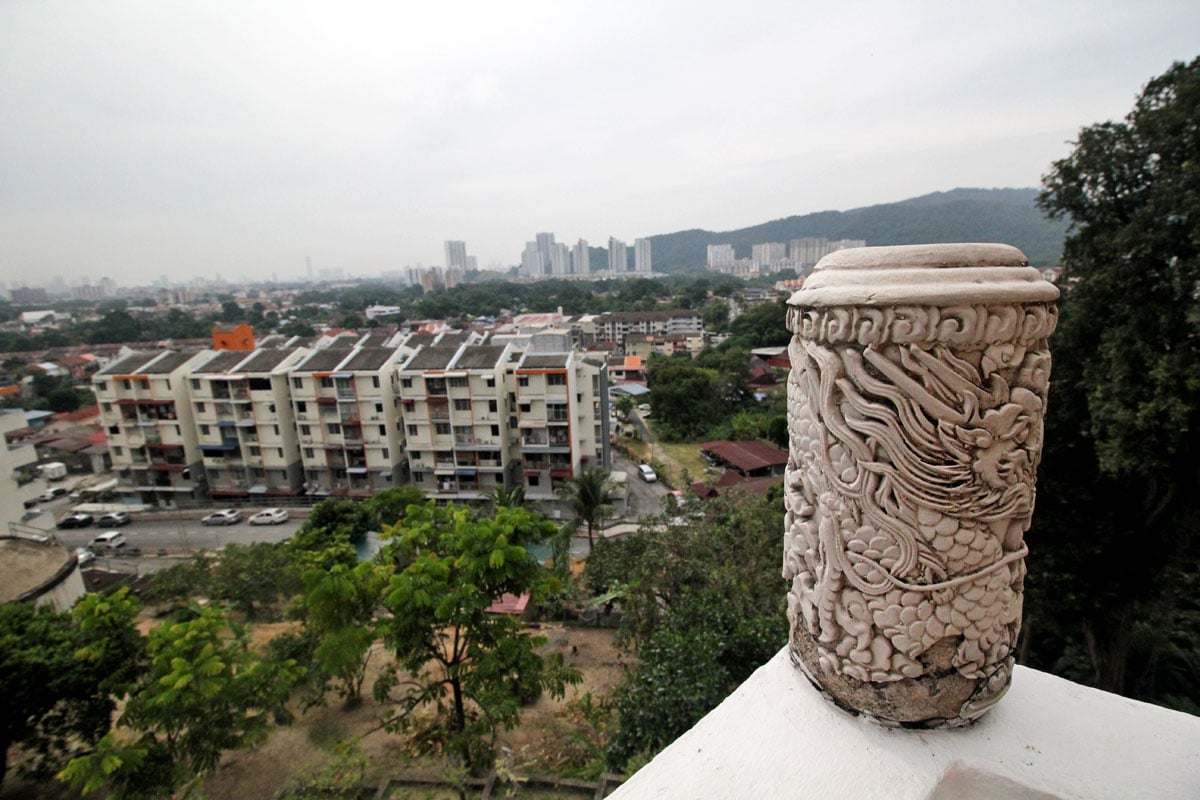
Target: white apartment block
(456, 254)
(562, 415)
(581, 258)
(560, 259)
(242, 411)
(642, 260)
(614, 327)
(350, 437)
(457, 415)
(618, 256)
(720, 255)
(146, 412)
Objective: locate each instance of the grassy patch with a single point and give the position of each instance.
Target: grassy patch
(325, 733)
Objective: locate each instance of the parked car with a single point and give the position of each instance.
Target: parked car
(109, 540)
(114, 519)
(83, 556)
(270, 516)
(32, 513)
(647, 473)
(53, 493)
(644, 408)
(76, 521)
(226, 516)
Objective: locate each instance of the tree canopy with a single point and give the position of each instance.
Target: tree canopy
(1115, 554)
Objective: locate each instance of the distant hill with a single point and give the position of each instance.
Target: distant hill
(960, 215)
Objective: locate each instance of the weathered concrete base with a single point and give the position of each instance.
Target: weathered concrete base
(777, 737)
(941, 698)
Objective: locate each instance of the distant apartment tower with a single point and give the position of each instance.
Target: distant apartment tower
(146, 412)
(768, 254)
(720, 256)
(811, 249)
(532, 265)
(618, 255)
(456, 255)
(581, 260)
(642, 261)
(560, 259)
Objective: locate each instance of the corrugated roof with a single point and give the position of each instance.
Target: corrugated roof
(746, 456)
(127, 365)
(266, 360)
(167, 364)
(324, 360)
(221, 363)
(432, 358)
(545, 361)
(480, 356)
(369, 359)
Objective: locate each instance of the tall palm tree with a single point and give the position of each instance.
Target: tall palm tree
(589, 494)
(504, 497)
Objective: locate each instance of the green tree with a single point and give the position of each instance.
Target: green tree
(687, 399)
(340, 608)
(589, 496)
(252, 577)
(61, 673)
(703, 607)
(625, 405)
(471, 667)
(330, 533)
(505, 497)
(204, 692)
(232, 312)
(391, 505)
(1115, 554)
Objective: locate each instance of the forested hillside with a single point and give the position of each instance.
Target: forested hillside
(960, 215)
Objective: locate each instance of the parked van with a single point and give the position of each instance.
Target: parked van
(109, 540)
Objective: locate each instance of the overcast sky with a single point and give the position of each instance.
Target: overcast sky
(236, 138)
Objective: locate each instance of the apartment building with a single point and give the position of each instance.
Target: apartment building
(350, 436)
(246, 430)
(457, 415)
(561, 404)
(147, 417)
(615, 326)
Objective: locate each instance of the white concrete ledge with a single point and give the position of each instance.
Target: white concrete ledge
(777, 737)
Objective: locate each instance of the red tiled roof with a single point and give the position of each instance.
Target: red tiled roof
(509, 604)
(746, 456)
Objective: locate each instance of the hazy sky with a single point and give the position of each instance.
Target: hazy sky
(196, 138)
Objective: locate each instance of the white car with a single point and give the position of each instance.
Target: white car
(647, 473)
(109, 540)
(83, 556)
(226, 516)
(644, 408)
(270, 516)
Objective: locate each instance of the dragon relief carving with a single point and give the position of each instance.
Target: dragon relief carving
(909, 486)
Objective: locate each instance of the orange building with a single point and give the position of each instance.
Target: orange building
(233, 337)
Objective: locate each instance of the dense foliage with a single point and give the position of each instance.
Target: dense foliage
(1116, 556)
(703, 607)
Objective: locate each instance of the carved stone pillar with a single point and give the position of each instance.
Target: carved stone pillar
(915, 407)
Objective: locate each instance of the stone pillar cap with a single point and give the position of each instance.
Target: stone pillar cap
(924, 274)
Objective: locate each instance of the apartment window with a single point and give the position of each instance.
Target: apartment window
(199, 408)
(375, 381)
(523, 380)
(462, 405)
(418, 477)
(114, 429)
(379, 408)
(326, 383)
(406, 383)
(512, 422)
(276, 427)
(412, 430)
(334, 428)
(526, 408)
(442, 428)
(305, 430)
(386, 454)
(125, 384)
(271, 408)
(495, 430)
(414, 455)
(196, 383)
(254, 450)
(118, 451)
(492, 406)
(301, 407)
(101, 386)
(383, 430)
(168, 384)
(279, 452)
(297, 383)
(458, 383)
(107, 407)
(177, 431)
(534, 480)
(490, 383)
(308, 452)
(556, 379)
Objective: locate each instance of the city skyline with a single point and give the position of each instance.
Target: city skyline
(199, 139)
